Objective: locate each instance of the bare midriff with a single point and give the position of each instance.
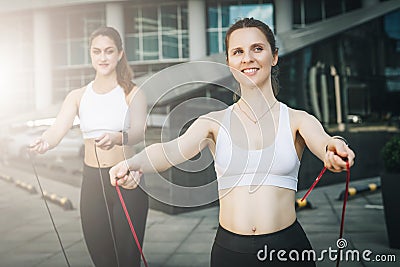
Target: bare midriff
(107, 158)
(255, 211)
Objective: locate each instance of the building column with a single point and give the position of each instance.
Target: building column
(115, 18)
(283, 15)
(197, 15)
(42, 60)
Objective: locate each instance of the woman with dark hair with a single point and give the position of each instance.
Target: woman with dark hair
(257, 145)
(112, 114)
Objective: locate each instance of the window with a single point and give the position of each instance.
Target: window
(214, 42)
(298, 11)
(70, 34)
(70, 30)
(149, 19)
(78, 52)
(170, 46)
(150, 46)
(222, 15)
(392, 68)
(352, 4)
(313, 11)
(310, 11)
(332, 8)
(157, 32)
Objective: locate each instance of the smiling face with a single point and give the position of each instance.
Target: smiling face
(105, 55)
(250, 57)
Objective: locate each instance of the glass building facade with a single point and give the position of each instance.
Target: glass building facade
(157, 32)
(157, 35)
(310, 11)
(70, 31)
(222, 14)
(366, 57)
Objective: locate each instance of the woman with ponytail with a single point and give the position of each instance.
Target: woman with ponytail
(112, 114)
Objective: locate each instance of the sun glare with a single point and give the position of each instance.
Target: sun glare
(10, 84)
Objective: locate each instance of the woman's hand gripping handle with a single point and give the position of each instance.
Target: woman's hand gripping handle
(125, 178)
(338, 155)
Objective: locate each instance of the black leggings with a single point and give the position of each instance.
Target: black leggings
(233, 250)
(95, 220)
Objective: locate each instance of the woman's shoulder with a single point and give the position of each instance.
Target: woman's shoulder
(299, 115)
(135, 94)
(75, 95)
(214, 118)
(216, 115)
(296, 112)
(78, 92)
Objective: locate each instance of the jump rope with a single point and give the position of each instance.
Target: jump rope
(128, 218)
(130, 221)
(346, 193)
(47, 208)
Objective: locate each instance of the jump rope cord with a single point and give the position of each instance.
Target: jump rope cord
(130, 223)
(128, 218)
(48, 209)
(346, 194)
(105, 203)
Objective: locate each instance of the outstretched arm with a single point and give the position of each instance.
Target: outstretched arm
(332, 151)
(64, 120)
(160, 157)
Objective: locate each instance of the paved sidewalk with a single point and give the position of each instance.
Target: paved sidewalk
(184, 240)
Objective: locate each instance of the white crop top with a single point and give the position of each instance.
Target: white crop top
(101, 113)
(276, 165)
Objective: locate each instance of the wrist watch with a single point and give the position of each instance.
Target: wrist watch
(124, 138)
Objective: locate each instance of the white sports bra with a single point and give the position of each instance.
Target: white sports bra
(101, 113)
(276, 165)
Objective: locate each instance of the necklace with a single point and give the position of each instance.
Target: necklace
(259, 118)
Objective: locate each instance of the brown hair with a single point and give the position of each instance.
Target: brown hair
(124, 71)
(248, 23)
